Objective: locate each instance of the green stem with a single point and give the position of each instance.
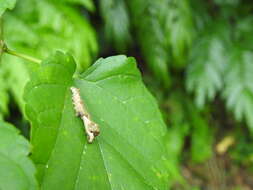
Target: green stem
(1, 37)
(23, 56)
(4, 49)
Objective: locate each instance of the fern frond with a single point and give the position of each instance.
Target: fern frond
(179, 28)
(238, 90)
(117, 24)
(207, 62)
(164, 30)
(150, 33)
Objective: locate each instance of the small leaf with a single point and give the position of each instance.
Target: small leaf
(129, 153)
(16, 169)
(6, 4)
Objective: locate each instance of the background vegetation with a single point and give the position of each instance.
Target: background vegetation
(196, 58)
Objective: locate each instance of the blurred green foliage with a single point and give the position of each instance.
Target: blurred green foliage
(196, 58)
(44, 27)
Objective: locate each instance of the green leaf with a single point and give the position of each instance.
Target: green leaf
(16, 169)
(208, 60)
(6, 4)
(129, 153)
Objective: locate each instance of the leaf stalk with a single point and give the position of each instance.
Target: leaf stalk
(23, 56)
(5, 49)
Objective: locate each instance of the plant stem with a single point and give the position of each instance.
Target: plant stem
(4, 48)
(1, 37)
(23, 56)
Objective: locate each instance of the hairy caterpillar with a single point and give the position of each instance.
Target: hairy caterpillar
(91, 128)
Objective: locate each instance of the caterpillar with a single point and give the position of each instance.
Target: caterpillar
(91, 128)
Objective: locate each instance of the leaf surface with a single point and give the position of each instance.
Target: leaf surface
(16, 169)
(128, 154)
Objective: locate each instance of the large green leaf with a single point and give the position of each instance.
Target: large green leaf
(16, 169)
(130, 152)
(6, 4)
